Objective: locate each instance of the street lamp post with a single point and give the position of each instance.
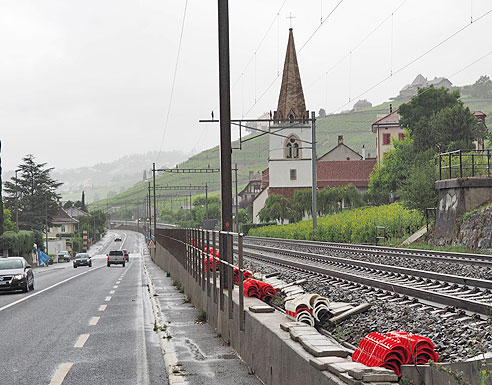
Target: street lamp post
(17, 200)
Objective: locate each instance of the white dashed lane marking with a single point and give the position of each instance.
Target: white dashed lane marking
(93, 321)
(103, 307)
(61, 373)
(81, 341)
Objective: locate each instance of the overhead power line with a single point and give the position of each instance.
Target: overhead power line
(417, 58)
(174, 81)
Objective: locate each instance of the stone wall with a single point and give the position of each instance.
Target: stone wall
(475, 232)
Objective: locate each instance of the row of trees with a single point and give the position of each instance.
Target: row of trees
(330, 201)
(435, 121)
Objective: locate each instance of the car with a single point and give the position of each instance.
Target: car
(116, 257)
(117, 239)
(16, 274)
(65, 255)
(126, 253)
(82, 259)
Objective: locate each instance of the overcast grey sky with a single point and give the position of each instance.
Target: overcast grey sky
(88, 81)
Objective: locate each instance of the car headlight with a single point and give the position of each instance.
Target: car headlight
(19, 276)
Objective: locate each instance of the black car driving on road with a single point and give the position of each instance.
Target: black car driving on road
(16, 274)
(82, 259)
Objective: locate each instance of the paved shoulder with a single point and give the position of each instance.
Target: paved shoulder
(201, 356)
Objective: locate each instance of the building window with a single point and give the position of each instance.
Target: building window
(293, 174)
(401, 136)
(63, 229)
(292, 148)
(386, 139)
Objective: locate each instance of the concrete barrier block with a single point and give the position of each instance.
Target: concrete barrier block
(321, 363)
(348, 379)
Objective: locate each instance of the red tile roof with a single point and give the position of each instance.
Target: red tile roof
(342, 173)
(63, 217)
(390, 119)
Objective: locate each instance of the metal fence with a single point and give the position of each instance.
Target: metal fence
(200, 252)
(464, 163)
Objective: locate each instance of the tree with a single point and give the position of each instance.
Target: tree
(36, 194)
(84, 207)
(322, 113)
(482, 88)
(277, 208)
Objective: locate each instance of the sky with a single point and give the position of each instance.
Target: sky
(83, 82)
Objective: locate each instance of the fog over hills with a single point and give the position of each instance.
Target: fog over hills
(103, 180)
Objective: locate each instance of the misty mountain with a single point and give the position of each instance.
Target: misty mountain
(104, 180)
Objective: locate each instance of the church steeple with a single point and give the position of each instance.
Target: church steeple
(291, 104)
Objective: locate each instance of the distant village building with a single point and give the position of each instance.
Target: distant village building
(252, 189)
(289, 164)
(480, 144)
(255, 127)
(361, 105)
(387, 128)
(420, 82)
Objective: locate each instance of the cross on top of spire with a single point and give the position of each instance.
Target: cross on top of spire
(290, 17)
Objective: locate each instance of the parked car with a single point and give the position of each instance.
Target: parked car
(64, 256)
(116, 257)
(117, 239)
(82, 259)
(126, 253)
(16, 274)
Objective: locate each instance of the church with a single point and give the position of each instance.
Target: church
(290, 147)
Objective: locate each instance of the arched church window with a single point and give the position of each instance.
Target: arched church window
(292, 148)
(291, 118)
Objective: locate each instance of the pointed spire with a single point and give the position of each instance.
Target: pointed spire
(291, 104)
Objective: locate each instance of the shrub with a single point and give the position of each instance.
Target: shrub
(17, 243)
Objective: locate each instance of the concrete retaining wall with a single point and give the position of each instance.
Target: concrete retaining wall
(456, 197)
(263, 346)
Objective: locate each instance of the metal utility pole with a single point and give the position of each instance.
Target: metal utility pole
(155, 205)
(206, 201)
(225, 115)
(191, 215)
(46, 225)
(237, 205)
(314, 207)
(150, 216)
(17, 200)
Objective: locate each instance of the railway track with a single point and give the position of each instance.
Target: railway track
(482, 260)
(430, 288)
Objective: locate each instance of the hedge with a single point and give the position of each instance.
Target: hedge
(246, 227)
(351, 226)
(17, 243)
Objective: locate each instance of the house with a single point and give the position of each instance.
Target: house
(62, 223)
(420, 82)
(251, 190)
(387, 128)
(361, 105)
(342, 152)
(75, 212)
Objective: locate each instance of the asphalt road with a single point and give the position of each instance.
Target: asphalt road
(83, 326)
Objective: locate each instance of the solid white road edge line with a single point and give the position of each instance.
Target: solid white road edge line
(167, 347)
(81, 341)
(46, 289)
(61, 373)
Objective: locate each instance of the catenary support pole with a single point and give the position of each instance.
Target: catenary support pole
(206, 201)
(155, 203)
(225, 125)
(314, 178)
(237, 204)
(150, 216)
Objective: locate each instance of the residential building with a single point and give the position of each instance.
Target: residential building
(420, 82)
(387, 128)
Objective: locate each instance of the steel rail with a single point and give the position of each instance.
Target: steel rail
(460, 280)
(484, 260)
(398, 288)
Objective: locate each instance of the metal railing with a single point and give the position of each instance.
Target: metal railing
(199, 252)
(464, 163)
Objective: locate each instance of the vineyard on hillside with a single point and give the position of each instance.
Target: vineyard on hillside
(351, 226)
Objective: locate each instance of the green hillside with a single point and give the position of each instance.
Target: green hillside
(354, 126)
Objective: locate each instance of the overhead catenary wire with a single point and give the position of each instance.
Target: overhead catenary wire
(417, 58)
(174, 80)
(253, 56)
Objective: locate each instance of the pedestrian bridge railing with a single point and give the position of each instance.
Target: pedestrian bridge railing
(464, 163)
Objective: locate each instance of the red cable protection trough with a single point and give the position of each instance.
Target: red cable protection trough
(393, 349)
